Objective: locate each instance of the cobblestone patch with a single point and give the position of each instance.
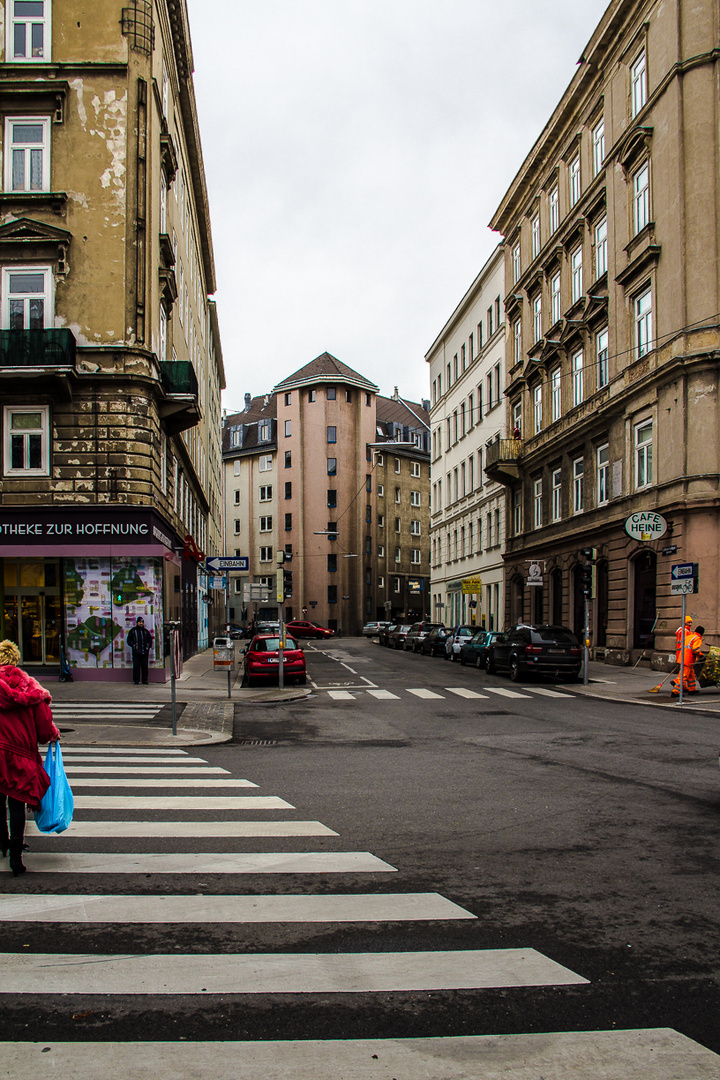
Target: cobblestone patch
(211, 716)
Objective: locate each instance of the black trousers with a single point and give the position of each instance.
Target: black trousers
(16, 813)
(140, 667)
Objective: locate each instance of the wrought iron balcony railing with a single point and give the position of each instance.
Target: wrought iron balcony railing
(502, 459)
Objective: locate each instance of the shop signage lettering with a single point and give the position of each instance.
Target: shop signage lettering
(63, 526)
(77, 528)
(646, 525)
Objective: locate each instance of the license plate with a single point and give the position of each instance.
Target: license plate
(272, 660)
(558, 652)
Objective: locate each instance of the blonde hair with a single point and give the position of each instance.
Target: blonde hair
(9, 653)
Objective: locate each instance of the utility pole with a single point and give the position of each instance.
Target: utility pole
(588, 583)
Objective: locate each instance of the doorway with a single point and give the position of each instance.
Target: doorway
(644, 594)
(557, 596)
(31, 609)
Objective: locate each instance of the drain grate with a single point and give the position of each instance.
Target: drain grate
(257, 742)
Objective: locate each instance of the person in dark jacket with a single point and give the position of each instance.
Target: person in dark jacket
(25, 721)
(140, 641)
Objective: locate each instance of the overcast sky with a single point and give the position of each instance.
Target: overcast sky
(355, 151)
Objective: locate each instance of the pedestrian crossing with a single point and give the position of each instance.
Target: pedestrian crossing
(197, 973)
(106, 711)
(425, 694)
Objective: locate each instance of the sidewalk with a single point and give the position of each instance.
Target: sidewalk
(632, 686)
(205, 713)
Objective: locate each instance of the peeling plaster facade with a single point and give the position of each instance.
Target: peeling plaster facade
(110, 355)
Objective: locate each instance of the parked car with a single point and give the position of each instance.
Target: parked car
(434, 642)
(473, 650)
(541, 649)
(302, 629)
(455, 639)
(236, 633)
(418, 633)
(265, 628)
(262, 660)
(385, 632)
(373, 629)
(396, 637)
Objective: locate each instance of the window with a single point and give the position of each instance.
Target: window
(576, 283)
(537, 409)
(266, 524)
(517, 418)
(517, 511)
(415, 468)
(348, 395)
(415, 528)
(27, 440)
(601, 355)
(381, 521)
(397, 555)
(601, 264)
(368, 514)
(517, 341)
(27, 298)
(288, 428)
(265, 463)
(288, 399)
(555, 302)
(266, 493)
(162, 345)
(332, 594)
(311, 396)
(332, 466)
(578, 485)
(28, 30)
(535, 236)
(397, 495)
(236, 525)
(288, 522)
(288, 489)
(641, 197)
(27, 153)
(554, 208)
(332, 434)
(490, 322)
(574, 177)
(331, 393)
(537, 504)
(397, 525)
(163, 202)
(414, 498)
(288, 459)
(643, 454)
(381, 491)
(331, 497)
(516, 264)
(638, 84)
(332, 530)
(332, 563)
(396, 584)
(368, 399)
(643, 323)
(598, 141)
(236, 497)
(537, 317)
(397, 465)
(577, 377)
(602, 459)
(266, 554)
(557, 494)
(415, 556)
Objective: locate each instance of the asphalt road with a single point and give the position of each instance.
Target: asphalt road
(583, 830)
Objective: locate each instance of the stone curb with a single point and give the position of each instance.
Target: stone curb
(634, 701)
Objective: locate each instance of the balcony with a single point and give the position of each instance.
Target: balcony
(502, 460)
(179, 406)
(24, 352)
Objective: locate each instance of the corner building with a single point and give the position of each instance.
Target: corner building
(611, 248)
(110, 355)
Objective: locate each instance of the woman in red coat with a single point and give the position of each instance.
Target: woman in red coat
(25, 720)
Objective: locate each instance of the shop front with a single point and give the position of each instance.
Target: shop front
(76, 579)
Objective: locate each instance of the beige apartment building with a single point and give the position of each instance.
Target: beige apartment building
(468, 414)
(611, 247)
(328, 471)
(110, 355)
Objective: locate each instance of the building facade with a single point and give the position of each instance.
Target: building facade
(110, 355)
(468, 417)
(611, 249)
(327, 471)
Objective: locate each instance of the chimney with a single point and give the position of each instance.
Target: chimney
(248, 400)
(395, 396)
(426, 404)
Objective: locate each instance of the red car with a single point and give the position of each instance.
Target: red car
(262, 660)
(308, 629)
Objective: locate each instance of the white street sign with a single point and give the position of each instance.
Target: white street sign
(678, 587)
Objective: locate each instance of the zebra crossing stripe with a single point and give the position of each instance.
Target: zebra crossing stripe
(544, 691)
(141, 770)
(167, 782)
(181, 802)
(98, 752)
(242, 862)
(198, 829)
(392, 907)
(280, 973)
(462, 692)
(383, 695)
(425, 694)
(105, 759)
(340, 695)
(502, 692)
(635, 1054)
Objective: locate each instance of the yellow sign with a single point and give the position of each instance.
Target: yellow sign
(472, 585)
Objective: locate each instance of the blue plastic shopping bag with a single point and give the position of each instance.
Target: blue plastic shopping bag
(56, 809)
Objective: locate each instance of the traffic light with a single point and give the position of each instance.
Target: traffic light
(587, 572)
(288, 583)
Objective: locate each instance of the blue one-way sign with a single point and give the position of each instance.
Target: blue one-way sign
(215, 563)
(683, 570)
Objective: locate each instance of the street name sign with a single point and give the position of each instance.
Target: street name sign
(646, 525)
(217, 563)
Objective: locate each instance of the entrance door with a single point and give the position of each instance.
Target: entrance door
(645, 567)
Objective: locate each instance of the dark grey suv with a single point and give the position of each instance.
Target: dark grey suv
(535, 650)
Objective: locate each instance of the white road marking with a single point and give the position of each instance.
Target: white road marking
(242, 862)
(544, 691)
(340, 695)
(121, 759)
(101, 750)
(383, 695)
(167, 782)
(105, 830)
(372, 907)
(462, 692)
(181, 802)
(425, 694)
(502, 692)
(280, 973)
(139, 770)
(639, 1054)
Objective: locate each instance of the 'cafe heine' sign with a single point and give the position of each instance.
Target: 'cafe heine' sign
(646, 525)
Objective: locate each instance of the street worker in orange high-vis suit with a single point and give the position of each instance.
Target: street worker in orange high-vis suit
(688, 642)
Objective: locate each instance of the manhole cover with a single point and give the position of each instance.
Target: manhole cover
(257, 742)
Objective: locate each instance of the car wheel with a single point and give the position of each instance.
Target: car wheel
(489, 665)
(515, 673)
(480, 663)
